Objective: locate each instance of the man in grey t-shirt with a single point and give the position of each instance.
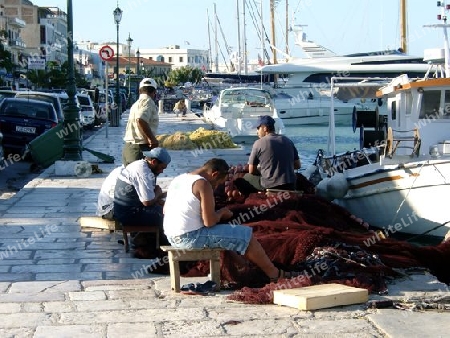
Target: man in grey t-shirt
(276, 157)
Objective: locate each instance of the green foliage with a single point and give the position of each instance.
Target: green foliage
(5, 59)
(182, 75)
(55, 76)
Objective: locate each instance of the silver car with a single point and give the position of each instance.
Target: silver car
(88, 112)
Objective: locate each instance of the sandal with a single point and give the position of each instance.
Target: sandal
(198, 288)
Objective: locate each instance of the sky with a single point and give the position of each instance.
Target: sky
(343, 26)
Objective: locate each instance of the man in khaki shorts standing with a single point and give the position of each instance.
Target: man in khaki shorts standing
(140, 133)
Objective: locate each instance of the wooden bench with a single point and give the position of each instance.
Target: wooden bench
(99, 223)
(139, 228)
(177, 255)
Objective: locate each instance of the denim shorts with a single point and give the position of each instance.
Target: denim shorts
(226, 236)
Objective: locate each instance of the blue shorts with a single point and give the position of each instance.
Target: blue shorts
(226, 236)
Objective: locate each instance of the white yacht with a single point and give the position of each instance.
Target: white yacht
(307, 80)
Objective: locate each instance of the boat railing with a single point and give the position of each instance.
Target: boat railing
(338, 163)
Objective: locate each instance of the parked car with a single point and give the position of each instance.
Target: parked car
(52, 98)
(88, 113)
(22, 120)
(7, 93)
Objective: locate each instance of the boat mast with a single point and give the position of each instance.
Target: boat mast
(262, 39)
(272, 28)
(287, 27)
(215, 36)
(244, 37)
(403, 23)
(210, 61)
(238, 58)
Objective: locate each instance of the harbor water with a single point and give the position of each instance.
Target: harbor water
(309, 139)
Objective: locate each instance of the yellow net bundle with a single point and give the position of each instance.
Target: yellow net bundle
(210, 139)
(177, 141)
(200, 138)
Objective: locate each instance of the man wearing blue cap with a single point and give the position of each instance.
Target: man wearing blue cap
(137, 198)
(273, 160)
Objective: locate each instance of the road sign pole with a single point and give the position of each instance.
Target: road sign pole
(106, 97)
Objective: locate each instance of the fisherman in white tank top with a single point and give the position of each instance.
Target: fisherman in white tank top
(191, 221)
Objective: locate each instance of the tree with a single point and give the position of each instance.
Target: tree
(55, 76)
(5, 58)
(184, 74)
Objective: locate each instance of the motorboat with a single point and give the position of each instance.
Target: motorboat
(237, 109)
(400, 178)
(307, 80)
(308, 109)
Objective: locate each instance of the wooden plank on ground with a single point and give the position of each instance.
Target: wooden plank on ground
(320, 296)
(98, 223)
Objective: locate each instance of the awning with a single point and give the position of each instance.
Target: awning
(368, 90)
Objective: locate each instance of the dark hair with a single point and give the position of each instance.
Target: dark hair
(217, 164)
(270, 127)
(147, 90)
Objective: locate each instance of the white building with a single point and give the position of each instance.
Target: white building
(178, 57)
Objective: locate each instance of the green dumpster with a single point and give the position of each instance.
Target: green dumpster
(47, 148)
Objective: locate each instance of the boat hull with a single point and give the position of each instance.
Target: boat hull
(317, 111)
(407, 200)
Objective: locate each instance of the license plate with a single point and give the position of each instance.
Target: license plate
(30, 130)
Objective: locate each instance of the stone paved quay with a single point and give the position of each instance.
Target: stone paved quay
(57, 280)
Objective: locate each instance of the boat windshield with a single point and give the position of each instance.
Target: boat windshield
(249, 97)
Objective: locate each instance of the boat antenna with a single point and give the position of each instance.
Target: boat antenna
(443, 17)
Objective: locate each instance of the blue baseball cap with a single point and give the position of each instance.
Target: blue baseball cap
(160, 154)
(266, 120)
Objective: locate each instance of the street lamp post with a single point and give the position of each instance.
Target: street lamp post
(142, 68)
(116, 112)
(129, 41)
(72, 138)
(138, 54)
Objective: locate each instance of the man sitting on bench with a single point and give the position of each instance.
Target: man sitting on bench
(137, 198)
(191, 221)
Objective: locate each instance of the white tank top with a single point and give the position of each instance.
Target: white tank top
(182, 207)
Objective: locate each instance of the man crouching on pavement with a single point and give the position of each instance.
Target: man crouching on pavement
(137, 198)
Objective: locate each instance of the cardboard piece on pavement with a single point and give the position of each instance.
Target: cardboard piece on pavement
(320, 296)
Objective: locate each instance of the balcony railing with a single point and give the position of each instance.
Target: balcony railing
(16, 22)
(16, 43)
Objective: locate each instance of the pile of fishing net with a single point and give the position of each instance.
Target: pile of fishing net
(200, 138)
(319, 242)
(211, 139)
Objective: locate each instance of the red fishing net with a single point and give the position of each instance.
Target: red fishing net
(318, 241)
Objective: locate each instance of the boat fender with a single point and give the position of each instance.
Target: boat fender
(313, 175)
(309, 171)
(337, 186)
(322, 189)
(354, 119)
(333, 187)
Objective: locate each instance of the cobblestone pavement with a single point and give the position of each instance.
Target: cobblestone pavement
(57, 280)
